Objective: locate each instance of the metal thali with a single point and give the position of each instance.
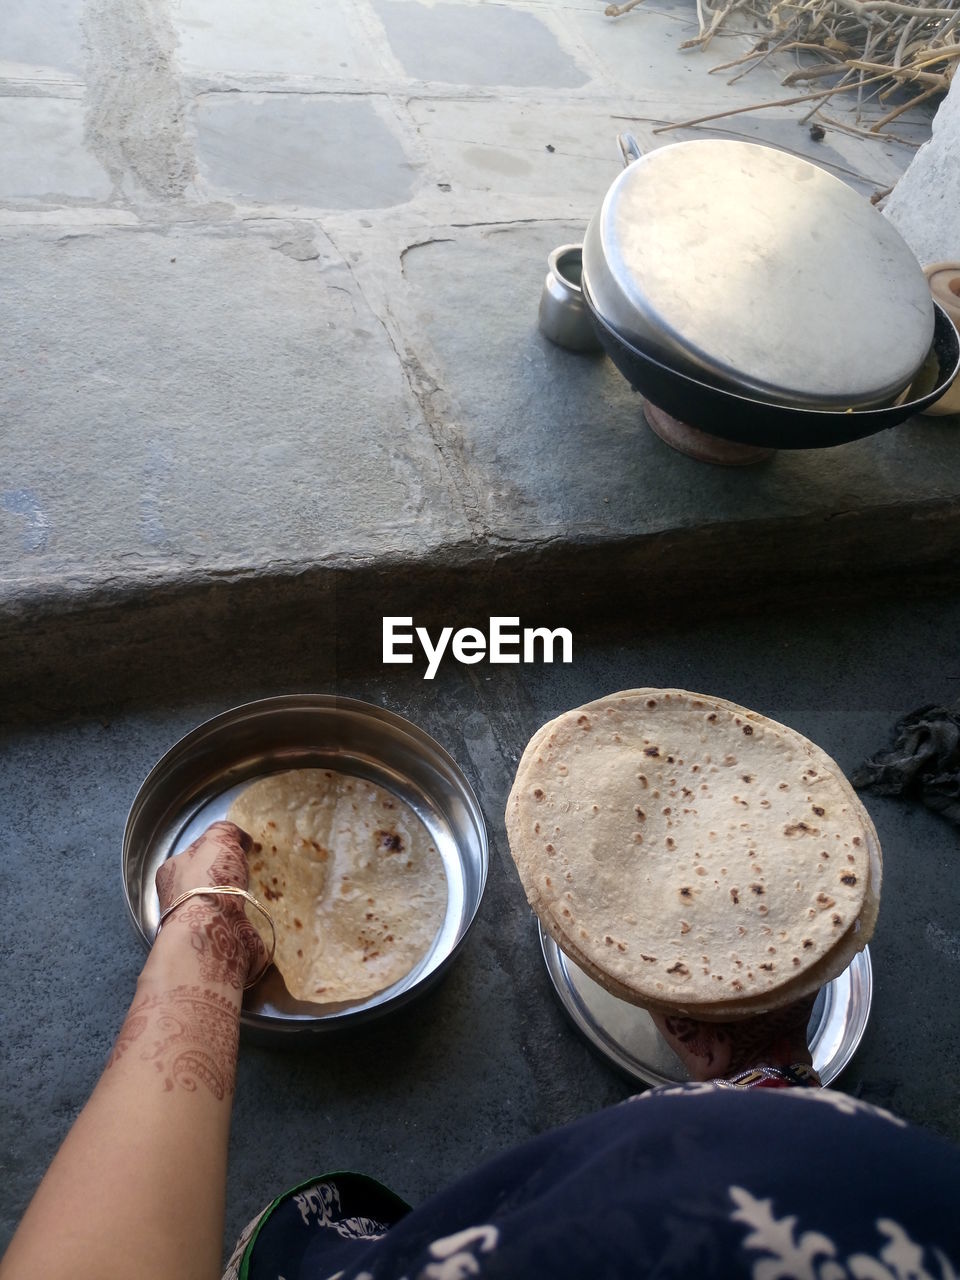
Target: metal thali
(627, 1037)
(196, 781)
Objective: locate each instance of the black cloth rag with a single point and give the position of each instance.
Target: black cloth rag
(923, 763)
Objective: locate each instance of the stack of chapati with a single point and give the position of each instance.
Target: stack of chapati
(350, 875)
(691, 855)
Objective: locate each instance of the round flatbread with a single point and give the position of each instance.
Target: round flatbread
(351, 876)
(690, 854)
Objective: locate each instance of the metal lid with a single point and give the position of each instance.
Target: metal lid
(760, 268)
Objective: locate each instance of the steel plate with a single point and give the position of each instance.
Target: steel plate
(196, 781)
(627, 1037)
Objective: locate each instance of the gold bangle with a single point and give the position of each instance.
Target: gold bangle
(233, 891)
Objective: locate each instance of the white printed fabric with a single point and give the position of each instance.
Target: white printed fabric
(692, 1182)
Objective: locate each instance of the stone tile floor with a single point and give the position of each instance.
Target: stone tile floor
(275, 281)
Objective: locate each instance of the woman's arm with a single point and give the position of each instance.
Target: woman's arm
(138, 1187)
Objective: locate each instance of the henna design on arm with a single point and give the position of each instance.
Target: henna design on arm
(699, 1039)
(189, 1034)
(777, 1039)
(712, 1049)
(226, 943)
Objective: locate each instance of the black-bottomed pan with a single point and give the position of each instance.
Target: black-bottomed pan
(748, 420)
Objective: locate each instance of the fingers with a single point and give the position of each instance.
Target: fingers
(226, 835)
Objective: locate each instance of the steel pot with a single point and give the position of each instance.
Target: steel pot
(733, 415)
(750, 269)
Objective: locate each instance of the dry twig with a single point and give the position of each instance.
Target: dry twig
(892, 46)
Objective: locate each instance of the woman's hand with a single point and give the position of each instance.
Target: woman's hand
(228, 947)
(712, 1050)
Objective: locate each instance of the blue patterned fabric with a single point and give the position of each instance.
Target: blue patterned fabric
(688, 1181)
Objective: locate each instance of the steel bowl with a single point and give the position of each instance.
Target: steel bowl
(196, 781)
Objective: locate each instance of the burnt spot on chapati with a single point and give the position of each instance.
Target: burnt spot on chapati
(584, 723)
(680, 969)
(389, 842)
(748, 729)
(800, 829)
(539, 793)
(848, 878)
(653, 752)
(272, 891)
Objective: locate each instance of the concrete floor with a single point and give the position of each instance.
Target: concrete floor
(486, 1058)
(275, 286)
